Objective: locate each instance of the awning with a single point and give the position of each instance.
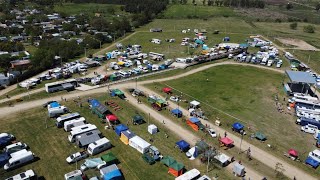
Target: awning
(237, 126)
(168, 160)
(176, 111)
(226, 141)
(121, 63)
(300, 77)
(183, 145)
(260, 136)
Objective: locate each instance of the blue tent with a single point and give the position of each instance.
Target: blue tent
(226, 39)
(177, 112)
(194, 120)
(183, 145)
(94, 103)
(54, 104)
(312, 162)
(113, 175)
(109, 55)
(237, 126)
(204, 47)
(199, 41)
(120, 128)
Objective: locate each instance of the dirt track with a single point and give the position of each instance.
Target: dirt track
(257, 153)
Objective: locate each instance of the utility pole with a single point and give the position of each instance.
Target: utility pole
(149, 119)
(240, 143)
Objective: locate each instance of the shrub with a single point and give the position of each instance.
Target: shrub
(278, 20)
(309, 29)
(293, 25)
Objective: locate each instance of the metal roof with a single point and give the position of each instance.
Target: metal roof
(300, 77)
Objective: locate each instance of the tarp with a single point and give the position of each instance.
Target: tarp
(112, 117)
(176, 112)
(194, 120)
(94, 102)
(166, 89)
(183, 145)
(226, 141)
(237, 126)
(260, 136)
(300, 77)
(92, 163)
(54, 104)
(120, 128)
(293, 152)
(116, 174)
(168, 160)
(312, 162)
(109, 158)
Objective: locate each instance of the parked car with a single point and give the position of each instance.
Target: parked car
(309, 128)
(212, 132)
(279, 64)
(77, 157)
(174, 98)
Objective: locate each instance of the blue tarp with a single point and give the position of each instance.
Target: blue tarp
(312, 162)
(109, 55)
(94, 103)
(113, 175)
(54, 104)
(120, 128)
(237, 126)
(183, 145)
(194, 120)
(176, 112)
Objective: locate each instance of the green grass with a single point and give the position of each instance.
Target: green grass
(52, 146)
(247, 93)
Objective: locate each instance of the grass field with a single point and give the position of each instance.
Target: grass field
(52, 147)
(248, 94)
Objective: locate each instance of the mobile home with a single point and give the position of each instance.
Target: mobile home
(74, 123)
(67, 117)
(139, 144)
(76, 131)
(99, 146)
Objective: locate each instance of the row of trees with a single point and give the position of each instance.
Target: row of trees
(227, 3)
(11, 46)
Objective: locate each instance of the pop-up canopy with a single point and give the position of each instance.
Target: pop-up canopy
(293, 152)
(183, 145)
(167, 90)
(226, 141)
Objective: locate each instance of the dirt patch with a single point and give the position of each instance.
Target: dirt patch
(299, 44)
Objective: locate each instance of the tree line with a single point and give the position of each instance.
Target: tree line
(227, 3)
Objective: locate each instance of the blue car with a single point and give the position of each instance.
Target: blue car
(4, 141)
(4, 158)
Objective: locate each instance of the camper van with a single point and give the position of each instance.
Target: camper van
(76, 174)
(315, 154)
(19, 158)
(57, 111)
(76, 131)
(12, 148)
(27, 175)
(99, 146)
(74, 123)
(67, 117)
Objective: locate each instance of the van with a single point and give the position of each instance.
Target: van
(7, 135)
(67, 117)
(12, 148)
(27, 175)
(74, 123)
(76, 174)
(18, 159)
(99, 146)
(57, 111)
(315, 154)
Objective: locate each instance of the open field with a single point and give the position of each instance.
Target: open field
(248, 94)
(52, 146)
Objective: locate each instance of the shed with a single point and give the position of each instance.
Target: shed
(120, 128)
(238, 169)
(176, 169)
(183, 145)
(168, 160)
(126, 136)
(152, 129)
(177, 112)
(109, 158)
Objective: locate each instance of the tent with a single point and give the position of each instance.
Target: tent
(237, 127)
(167, 90)
(120, 128)
(126, 136)
(94, 103)
(168, 160)
(193, 122)
(137, 119)
(238, 169)
(120, 63)
(183, 145)
(109, 158)
(152, 129)
(293, 152)
(199, 41)
(176, 169)
(226, 141)
(313, 163)
(112, 118)
(194, 104)
(226, 39)
(117, 92)
(177, 112)
(260, 136)
(193, 153)
(113, 175)
(113, 77)
(54, 104)
(223, 159)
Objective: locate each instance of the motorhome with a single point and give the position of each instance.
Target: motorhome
(74, 123)
(99, 146)
(305, 121)
(27, 175)
(57, 111)
(18, 159)
(302, 96)
(66, 117)
(189, 175)
(76, 131)
(12, 148)
(76, 174)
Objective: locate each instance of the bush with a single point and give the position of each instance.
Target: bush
(309, 29)
(305, 20)
(293, 25)
(278, 20)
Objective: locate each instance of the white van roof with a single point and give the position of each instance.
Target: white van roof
(316, 151)
(18, 153)
(14, 145)
(20, 156)
(24, 175)
(98, 143)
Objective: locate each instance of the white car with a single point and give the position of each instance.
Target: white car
(279, 64)
(212, 132)
(77, 157)
(309, 129)
(174, 98)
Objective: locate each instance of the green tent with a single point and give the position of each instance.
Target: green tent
(137, 119)
(118, 92)
(113, 77)
(260, 136)
(176, 166)
(168, 160)
(109, 158)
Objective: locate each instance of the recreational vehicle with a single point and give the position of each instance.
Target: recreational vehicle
(67, 117)
(27, 175)
(76, 174)
(57, 111)
(74, 123)
(76, 131)
(99, 146)
(12, 148)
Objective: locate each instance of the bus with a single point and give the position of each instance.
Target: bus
(68, 85)
(66, 117)
(76, 131)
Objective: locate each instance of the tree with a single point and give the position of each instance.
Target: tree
(204, 2)
(309, 29)
(289, 6)
(294, 25)
(317, 7)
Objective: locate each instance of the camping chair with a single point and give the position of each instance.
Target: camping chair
(110, 102)
(118, 108)
(114, 105)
